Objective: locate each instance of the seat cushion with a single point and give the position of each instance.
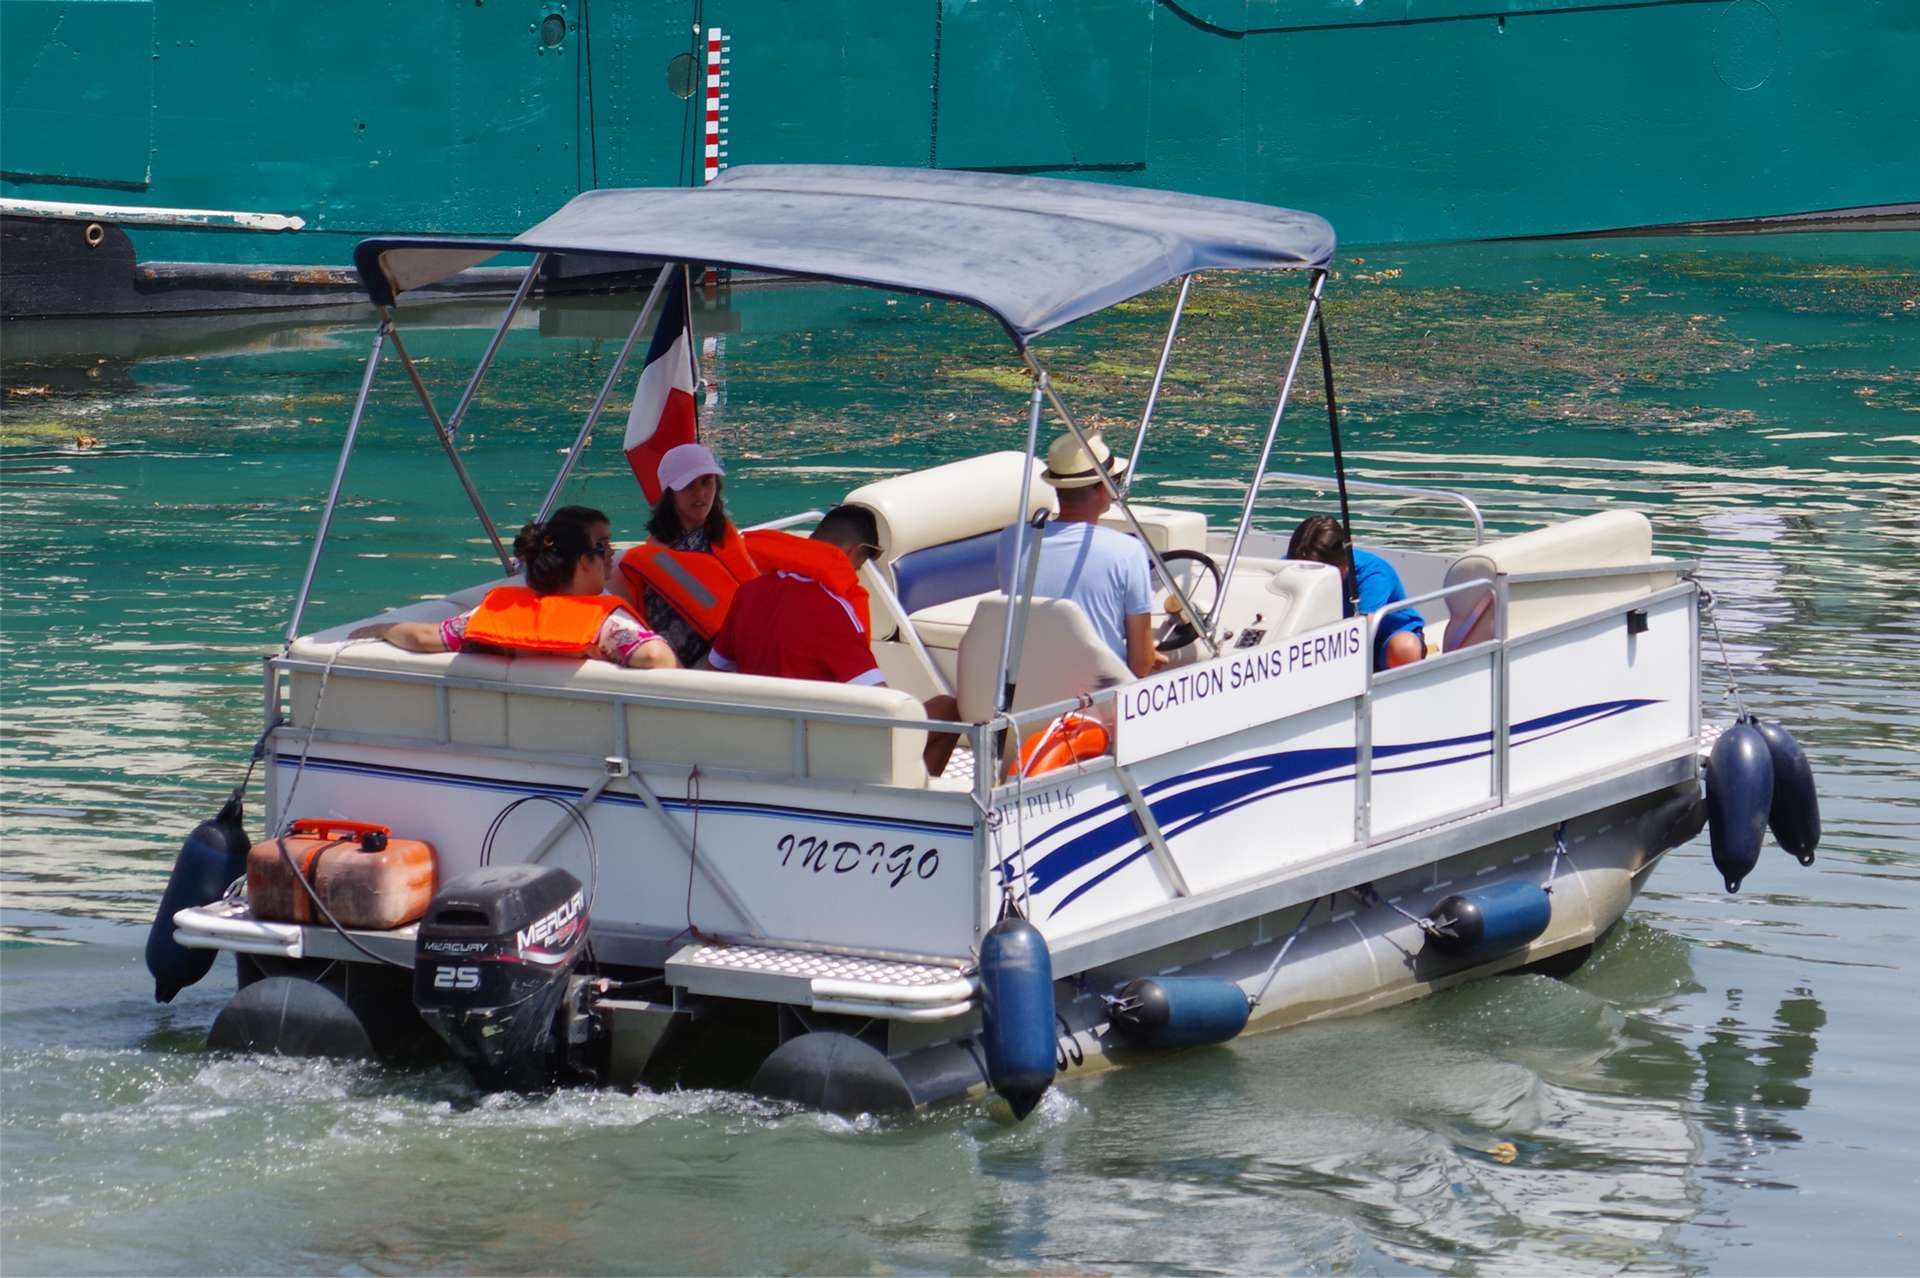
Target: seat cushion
(1611, 539)
(943, 625)
(1062, 657)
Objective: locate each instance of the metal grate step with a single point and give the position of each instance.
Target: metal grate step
(891, 989)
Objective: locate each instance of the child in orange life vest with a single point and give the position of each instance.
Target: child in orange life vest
(694, 558)
(562, 611)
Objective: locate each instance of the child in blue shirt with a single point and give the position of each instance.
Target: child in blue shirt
(1402, 634)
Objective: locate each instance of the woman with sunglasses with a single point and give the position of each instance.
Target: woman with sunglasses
(562, 611)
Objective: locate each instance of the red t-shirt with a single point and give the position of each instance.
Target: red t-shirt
(792, 627)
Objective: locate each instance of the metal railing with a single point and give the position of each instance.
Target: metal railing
(1296, 479)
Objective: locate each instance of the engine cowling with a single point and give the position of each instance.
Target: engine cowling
(491, 967)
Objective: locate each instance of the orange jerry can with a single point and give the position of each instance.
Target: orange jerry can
(367, 878)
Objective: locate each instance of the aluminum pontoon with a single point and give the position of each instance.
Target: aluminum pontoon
(779, 894)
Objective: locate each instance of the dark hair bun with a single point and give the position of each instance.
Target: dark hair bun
(550, 551)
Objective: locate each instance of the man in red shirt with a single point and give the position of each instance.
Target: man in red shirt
(790, 625)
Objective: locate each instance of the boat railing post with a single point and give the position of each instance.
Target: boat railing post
(1126, 509)
(1014, 602)
(983, 827)
(1693, 662)
(878, 586)
(459, 413)
(339, 474)
(1266, 447)
(1363, 748)
(606, 390)
(1153, 392)
(446, 443)
(1502, 688)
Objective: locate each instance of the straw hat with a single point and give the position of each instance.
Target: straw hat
(686, 463)
(1070, 466)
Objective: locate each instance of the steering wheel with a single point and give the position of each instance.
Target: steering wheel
(1179, 632)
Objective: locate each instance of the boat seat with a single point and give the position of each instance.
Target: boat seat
(500, 705)
(1611, 539)
(936, 526)
(1061, 657)
(1298, 596)
(1167, 529)
(942, 626)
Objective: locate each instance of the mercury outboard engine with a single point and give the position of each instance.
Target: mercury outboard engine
(491, 969)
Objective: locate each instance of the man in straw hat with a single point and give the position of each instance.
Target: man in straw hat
(1104, 571)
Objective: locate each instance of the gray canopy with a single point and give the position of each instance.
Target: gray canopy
(1036, 253)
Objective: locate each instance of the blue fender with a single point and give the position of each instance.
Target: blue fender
(1164, 1012)
(1794, 815)
(1739, 796)
(1016, 1011)
(214, 855)
(1485, 922)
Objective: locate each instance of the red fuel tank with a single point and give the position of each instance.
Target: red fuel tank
(364, 875)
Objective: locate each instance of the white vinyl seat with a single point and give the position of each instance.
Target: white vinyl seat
(1611, 539)
(1061, 657)
(538, 704)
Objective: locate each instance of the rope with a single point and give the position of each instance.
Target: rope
(1726, 662)
(1559, 853)
(1273, 969)
(1012, 733)
(306, 747)
(1366, 893)
(693, 845)
(286, 855)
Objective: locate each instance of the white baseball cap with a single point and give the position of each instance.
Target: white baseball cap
(687, 462)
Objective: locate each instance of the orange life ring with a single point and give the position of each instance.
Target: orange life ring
(1070, 739)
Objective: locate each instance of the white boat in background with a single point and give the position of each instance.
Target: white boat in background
(762, 886)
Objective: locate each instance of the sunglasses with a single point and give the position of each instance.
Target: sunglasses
(868, 552)
(603, 548)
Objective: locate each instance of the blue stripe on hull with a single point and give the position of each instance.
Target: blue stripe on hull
(707, 806)
(1253, 780)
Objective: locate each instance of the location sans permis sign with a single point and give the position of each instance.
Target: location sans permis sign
(1240, 690)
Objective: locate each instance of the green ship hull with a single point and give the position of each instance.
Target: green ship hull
(291, 131)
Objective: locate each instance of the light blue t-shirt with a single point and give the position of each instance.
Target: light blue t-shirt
(1103, 571)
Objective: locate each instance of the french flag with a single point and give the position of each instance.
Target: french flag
(663, 408)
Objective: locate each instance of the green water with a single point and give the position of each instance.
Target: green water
(1726, 1087)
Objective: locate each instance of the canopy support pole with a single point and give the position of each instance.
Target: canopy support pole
(1159, 375)
(493, 347)
(1339, 462)
(606, 389)
(1120, 501)
(1016, 603)
(339, 474)
(1266, 448)
(446, 442)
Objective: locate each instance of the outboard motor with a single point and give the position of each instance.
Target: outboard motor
(491, 967)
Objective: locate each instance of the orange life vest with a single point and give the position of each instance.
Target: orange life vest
(774, 550)
(698, 583)
(514, 618)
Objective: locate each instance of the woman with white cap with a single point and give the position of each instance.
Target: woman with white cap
(693, 560)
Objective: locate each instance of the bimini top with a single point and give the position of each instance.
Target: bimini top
(1035, 252)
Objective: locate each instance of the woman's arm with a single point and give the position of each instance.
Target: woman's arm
(414, 636)
(652, 654)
